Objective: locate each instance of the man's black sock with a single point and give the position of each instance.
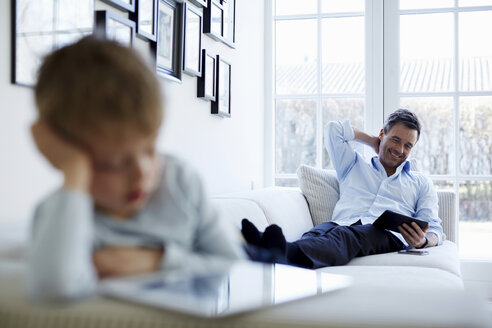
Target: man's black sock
(250, 233)
(273, 238)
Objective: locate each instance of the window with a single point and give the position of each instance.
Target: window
(444, 74)
(433, 64)
(320, 76)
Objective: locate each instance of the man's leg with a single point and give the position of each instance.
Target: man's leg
(340, 244)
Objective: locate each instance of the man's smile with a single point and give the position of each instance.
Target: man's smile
(395, 155)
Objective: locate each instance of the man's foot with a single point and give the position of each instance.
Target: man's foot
(250, 233)
(273, 238)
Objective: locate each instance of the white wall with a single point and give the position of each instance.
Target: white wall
(227, 152)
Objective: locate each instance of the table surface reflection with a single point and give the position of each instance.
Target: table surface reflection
(239, 287)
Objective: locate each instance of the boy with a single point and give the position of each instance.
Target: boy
(123, 209)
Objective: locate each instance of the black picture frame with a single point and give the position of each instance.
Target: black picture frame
(222, 104)
(192, 40)
(201, 3)
(219, 21)
(123, 5)
(168, 46)
(207, 82)
(31, 41)
(111, 26)
(213, 19)
(145, 18)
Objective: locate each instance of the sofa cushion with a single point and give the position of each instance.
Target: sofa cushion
(444, 257)
(234, 210)
(285, 207)
(320, 187)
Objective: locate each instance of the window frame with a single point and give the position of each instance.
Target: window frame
(373, 97)
(392, 93)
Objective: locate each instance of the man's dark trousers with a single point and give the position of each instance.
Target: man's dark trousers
(329, 244)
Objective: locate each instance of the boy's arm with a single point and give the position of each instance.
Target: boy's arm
(216, 241)
(59, 260)
(60, 252)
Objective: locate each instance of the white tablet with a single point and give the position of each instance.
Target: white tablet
(244, 286)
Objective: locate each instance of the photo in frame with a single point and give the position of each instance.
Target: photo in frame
(213, 19)
(229, 24)
(222, 104)
(219, 21)
(38, 28)
(111, 26)
(128, 5)
(192, 36)
(168, 46)
(145, 18)
(206, 83)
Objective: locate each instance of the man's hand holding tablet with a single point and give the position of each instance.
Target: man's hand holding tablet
(391, 221)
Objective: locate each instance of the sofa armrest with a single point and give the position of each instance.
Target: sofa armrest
(447, 213)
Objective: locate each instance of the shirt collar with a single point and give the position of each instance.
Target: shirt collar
(376, 163)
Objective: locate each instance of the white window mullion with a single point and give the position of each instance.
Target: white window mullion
(391, 55)
(456, 119)
(269, 117)
(374, 97)
(319, 109)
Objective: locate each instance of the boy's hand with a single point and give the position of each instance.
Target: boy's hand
(122, 261)
(74, 163)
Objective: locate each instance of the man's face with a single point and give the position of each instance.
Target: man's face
(125, 173)
(396, 145)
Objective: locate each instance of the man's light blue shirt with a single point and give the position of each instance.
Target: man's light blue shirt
(366, 191)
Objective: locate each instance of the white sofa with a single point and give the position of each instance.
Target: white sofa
(389, 290)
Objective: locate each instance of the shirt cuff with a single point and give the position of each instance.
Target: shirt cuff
(438, 234)
(348, 130)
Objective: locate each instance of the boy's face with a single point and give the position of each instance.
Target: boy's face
(125, 173)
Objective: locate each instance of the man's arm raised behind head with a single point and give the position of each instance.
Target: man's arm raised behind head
(336, 139)
(337, 135)
(371, 141)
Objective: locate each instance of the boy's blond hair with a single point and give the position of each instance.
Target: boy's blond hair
(98, 86)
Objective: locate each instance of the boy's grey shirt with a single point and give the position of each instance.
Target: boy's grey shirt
(178, 217)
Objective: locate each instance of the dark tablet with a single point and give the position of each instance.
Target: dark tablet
(391, 220)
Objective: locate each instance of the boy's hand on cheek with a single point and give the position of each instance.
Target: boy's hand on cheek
(121, 261)
(74, 163)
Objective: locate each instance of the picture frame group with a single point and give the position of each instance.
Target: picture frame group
(173, 29)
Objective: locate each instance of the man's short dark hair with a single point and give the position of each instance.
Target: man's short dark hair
(405, 117)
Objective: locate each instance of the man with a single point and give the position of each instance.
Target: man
(367, 189)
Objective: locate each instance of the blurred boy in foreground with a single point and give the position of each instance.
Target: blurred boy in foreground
(123, 209)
